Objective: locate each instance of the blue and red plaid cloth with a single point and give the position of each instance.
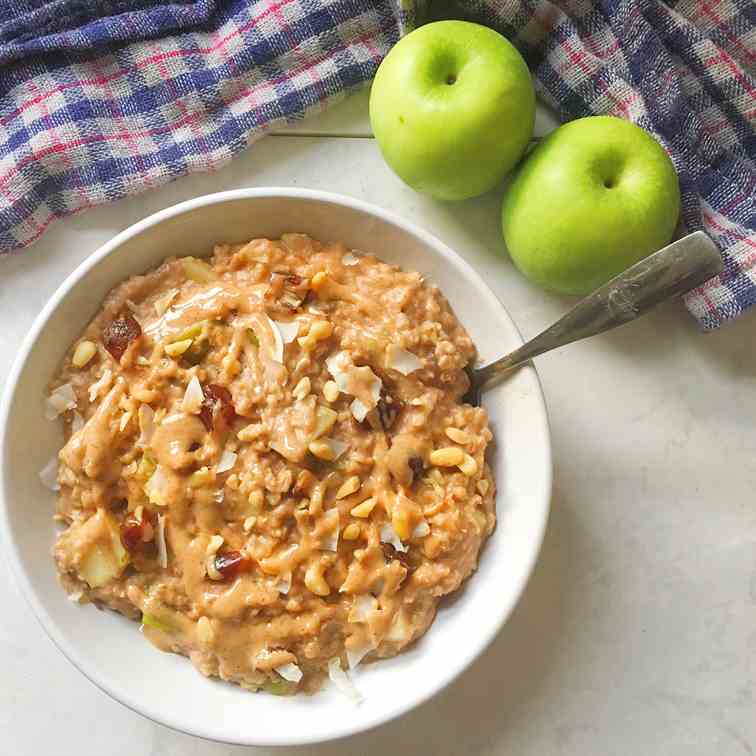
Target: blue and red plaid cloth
(104, 98)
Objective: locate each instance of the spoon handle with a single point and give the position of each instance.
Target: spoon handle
(671, 271)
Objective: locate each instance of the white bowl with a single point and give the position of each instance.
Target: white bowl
(107, 648)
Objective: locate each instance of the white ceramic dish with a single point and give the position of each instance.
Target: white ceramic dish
(109, 649)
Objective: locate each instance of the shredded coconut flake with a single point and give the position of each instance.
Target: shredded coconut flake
(362, 608)
(337, 364)
(164, 302)
(342, 681)
(283, 584)
(156, 487)
(290, 672)
(101, 386)
(399, 630)
(132, 306)
(146, 417)
(375, 387)
(288, 331)
(356, 655)
(330, 542)
(49, 474)
(350, 259)
(358, 407)
(421, 530)
(402, 360)
(359, 410)
(193, 397)
(339, 447)
(227, 461)
(75, 596)
(125, 418)
(278, 346)
(161, 545)
(388, 535)
(219, 495)
(60, 400)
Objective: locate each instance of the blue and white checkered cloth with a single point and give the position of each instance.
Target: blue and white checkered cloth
(104, 98)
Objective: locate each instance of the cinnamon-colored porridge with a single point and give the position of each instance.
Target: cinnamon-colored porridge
(268, 462)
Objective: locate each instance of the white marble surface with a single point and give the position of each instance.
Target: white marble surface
(637, 633)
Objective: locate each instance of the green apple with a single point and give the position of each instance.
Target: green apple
(597, 195)
(452, 107)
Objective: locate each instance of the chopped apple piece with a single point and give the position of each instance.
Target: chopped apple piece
(198, 270)
(103, 555)
(149, 620)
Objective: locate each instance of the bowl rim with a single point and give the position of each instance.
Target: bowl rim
(47, 622)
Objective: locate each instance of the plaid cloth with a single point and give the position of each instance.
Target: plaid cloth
(104, 98)
(100, 99)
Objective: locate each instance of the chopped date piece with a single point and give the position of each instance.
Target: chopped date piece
(135, 533)
(292, 279)
(390, 553)
(388, 410)
(131, 535)
(287, 289)
(119, 334)
(417, 466)
(217, 402)
(231, 563)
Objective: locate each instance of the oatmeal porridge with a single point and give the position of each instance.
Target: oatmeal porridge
(268, 461)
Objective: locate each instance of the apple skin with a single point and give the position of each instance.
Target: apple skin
(596, 196)
(452, 107)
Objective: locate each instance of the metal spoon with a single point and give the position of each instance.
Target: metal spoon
(673, 270)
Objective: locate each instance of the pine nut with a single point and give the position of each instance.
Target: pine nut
(251, 432)
(302, 388)
(363, 509)
(319, 331)
(331, 391)
(215, 543)
(201, 477)
(256, 500)
(351, 532)
(315, 581)
(348, 487)
(83, 353)
(401, 524)
(457, 435)
(468, 466)
(450, 456)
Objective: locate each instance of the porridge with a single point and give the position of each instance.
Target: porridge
(268, 462)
